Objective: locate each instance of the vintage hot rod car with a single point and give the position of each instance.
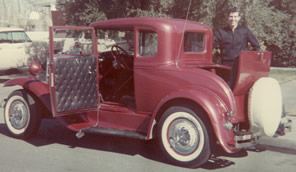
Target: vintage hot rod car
(150, 78)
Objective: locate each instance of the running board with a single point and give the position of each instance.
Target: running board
(116, 132)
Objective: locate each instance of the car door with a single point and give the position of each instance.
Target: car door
(252, 65)
(73, 70)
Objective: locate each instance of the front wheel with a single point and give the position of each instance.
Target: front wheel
(21, 114)
(183, 136)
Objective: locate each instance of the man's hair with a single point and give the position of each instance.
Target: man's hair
(233, 10)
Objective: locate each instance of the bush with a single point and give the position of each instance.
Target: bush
(38, 52)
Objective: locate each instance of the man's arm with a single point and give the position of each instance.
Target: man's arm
(252, 39)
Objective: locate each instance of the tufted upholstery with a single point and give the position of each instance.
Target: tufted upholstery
(75, 83)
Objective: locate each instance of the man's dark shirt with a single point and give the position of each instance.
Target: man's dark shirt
(231, 43)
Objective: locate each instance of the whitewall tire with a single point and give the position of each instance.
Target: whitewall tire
(183, 136)
(21, 114)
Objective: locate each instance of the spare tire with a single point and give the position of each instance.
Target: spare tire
(265, 106)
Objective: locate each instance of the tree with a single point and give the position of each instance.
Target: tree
(286, 54)
(269, 20)
(80, 12)
(84, 12)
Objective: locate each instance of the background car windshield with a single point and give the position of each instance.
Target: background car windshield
(14, 37)
(107, 38)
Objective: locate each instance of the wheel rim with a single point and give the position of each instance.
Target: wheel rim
(183, 136)
(18, 114)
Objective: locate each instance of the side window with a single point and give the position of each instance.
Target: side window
(194, 42)
(148, 43)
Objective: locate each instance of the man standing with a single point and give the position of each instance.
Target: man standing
(234, 38)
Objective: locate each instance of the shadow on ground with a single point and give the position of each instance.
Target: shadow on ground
(3, 80)
(52, 132)
(217, 161)
(14, 71)
(278, 149)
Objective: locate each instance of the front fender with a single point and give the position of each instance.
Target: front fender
(214, 108)
(38, 88)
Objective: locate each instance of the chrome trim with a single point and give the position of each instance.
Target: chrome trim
(51, 80)
(230, 113)
(151, 131)
(228, 125)
(246, 139)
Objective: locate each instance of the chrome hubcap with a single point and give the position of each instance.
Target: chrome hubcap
(183, 136)
(18, 114)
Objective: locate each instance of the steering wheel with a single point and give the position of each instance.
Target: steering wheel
(121, 57)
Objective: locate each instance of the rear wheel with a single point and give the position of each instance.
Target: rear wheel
(21, 114)
(183, 136)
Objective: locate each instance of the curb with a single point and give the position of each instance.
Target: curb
(283, 68)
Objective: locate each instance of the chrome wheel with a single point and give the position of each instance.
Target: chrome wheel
(18, 114)
(183, 136)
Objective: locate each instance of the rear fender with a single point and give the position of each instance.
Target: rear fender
(38, 88)
(214, 108)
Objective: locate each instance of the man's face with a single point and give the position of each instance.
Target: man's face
(233, 19)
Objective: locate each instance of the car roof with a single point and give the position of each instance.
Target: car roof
(173, 23)
(8, 29)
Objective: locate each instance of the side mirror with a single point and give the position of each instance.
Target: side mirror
(34, 68)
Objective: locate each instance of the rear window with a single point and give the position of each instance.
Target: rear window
(194, 42)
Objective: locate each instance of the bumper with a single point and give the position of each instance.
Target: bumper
(246, 139)
(249, 139)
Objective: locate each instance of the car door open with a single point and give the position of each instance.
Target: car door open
(73, 70)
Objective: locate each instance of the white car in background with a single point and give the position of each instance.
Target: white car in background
(13, 43)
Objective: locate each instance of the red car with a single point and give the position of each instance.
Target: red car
(149, 78)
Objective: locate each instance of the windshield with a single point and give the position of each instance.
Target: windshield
(71, 41)
(14, 37)
(109, 37)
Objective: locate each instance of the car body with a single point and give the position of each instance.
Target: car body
(151, 78)
(13, 43)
